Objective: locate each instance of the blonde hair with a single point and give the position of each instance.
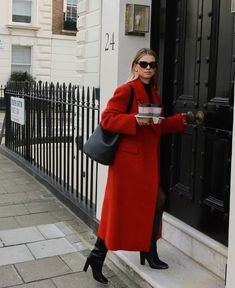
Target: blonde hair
(139, 54)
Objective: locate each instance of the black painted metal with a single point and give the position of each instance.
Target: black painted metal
(59, 119)
(198, 74)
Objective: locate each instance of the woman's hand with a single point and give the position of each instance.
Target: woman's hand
(141, 121)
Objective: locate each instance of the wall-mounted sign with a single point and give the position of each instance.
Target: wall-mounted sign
(1, 44)
(17, 110)
(233, 6)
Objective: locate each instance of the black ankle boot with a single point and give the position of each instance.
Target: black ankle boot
(152, 258)
(96, 261)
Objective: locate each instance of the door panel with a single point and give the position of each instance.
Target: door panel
(198, 71)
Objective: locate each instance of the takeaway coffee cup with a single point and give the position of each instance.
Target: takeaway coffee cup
(144, 109)
(156, 110)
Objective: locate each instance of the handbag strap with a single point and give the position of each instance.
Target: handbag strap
(130, 100)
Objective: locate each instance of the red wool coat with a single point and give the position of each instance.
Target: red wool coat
(133, 179)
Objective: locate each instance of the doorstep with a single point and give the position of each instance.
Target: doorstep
(183, 271)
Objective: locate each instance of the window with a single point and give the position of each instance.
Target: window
(21, 11)
(21, 58)
(71, 10)
(70, 15)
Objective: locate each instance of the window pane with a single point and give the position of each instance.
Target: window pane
(21, 58)
(21, 7)
(21, 11)
(23, 68)
(72, 2)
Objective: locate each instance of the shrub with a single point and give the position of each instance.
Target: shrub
(21, 76)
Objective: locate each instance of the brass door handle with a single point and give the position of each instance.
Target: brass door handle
(199, 117)
(195, 117)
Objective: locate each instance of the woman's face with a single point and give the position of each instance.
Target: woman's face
(146, 68)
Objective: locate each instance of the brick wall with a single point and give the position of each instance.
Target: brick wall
(58, 19)
(57, 16)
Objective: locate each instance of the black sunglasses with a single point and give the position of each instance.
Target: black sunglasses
(144, 64)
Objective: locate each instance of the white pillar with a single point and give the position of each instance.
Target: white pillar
(231, 247)
(117, 52)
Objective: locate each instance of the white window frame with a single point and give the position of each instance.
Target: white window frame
(22, 63)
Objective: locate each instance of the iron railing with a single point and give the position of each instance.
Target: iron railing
(58, 120)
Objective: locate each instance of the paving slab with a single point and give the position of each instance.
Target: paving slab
(13, 210)
(38, 284)
(2, 190)
(20, 236)
(73, 238)
(62, 215)
(77, 280)
(50, 248)
(42, 269)
(35, 219)
(64, 228)
(24, 187)
(8, 223)
(50, 231)
(9, 276)
(37, 207)
(14, 254)
(75, 261)
(13, 198)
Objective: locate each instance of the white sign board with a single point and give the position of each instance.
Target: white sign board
(1, 44)
(17, 110)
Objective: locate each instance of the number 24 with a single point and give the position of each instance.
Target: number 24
(109, 41)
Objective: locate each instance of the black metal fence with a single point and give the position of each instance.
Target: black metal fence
(58, 119)
(2, 101)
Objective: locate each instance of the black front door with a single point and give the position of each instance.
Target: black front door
(196, 45)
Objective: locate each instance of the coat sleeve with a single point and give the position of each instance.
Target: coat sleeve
(173, 124)
(115, 118)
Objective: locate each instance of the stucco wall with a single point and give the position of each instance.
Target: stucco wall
(88, 43)
(47, 57)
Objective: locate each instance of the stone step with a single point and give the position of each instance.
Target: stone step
(183, 271)
(202, 249)
(194, 259)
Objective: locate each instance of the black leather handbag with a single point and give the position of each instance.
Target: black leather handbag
(102, 144)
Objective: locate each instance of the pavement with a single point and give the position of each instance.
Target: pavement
(42, 243)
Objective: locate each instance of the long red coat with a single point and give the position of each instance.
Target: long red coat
(133, 179)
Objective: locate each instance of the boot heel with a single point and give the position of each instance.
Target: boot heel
(86, 265)
(142, 259)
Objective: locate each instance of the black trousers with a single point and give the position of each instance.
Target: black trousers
(158, 215)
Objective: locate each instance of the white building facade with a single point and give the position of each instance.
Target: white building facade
(104, 55)
(33, 39)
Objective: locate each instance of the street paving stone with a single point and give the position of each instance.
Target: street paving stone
(38, 284)
(13, 210)
(75, 261)
(14, 254)
(50, 231)
(77, 280)
(42, 243)
(42, 206)
(35, 219)
(42, 269)
(8, 223)
(9, 276)
(50, 248)
(20, 236)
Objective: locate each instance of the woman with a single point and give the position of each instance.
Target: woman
(132, 207)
